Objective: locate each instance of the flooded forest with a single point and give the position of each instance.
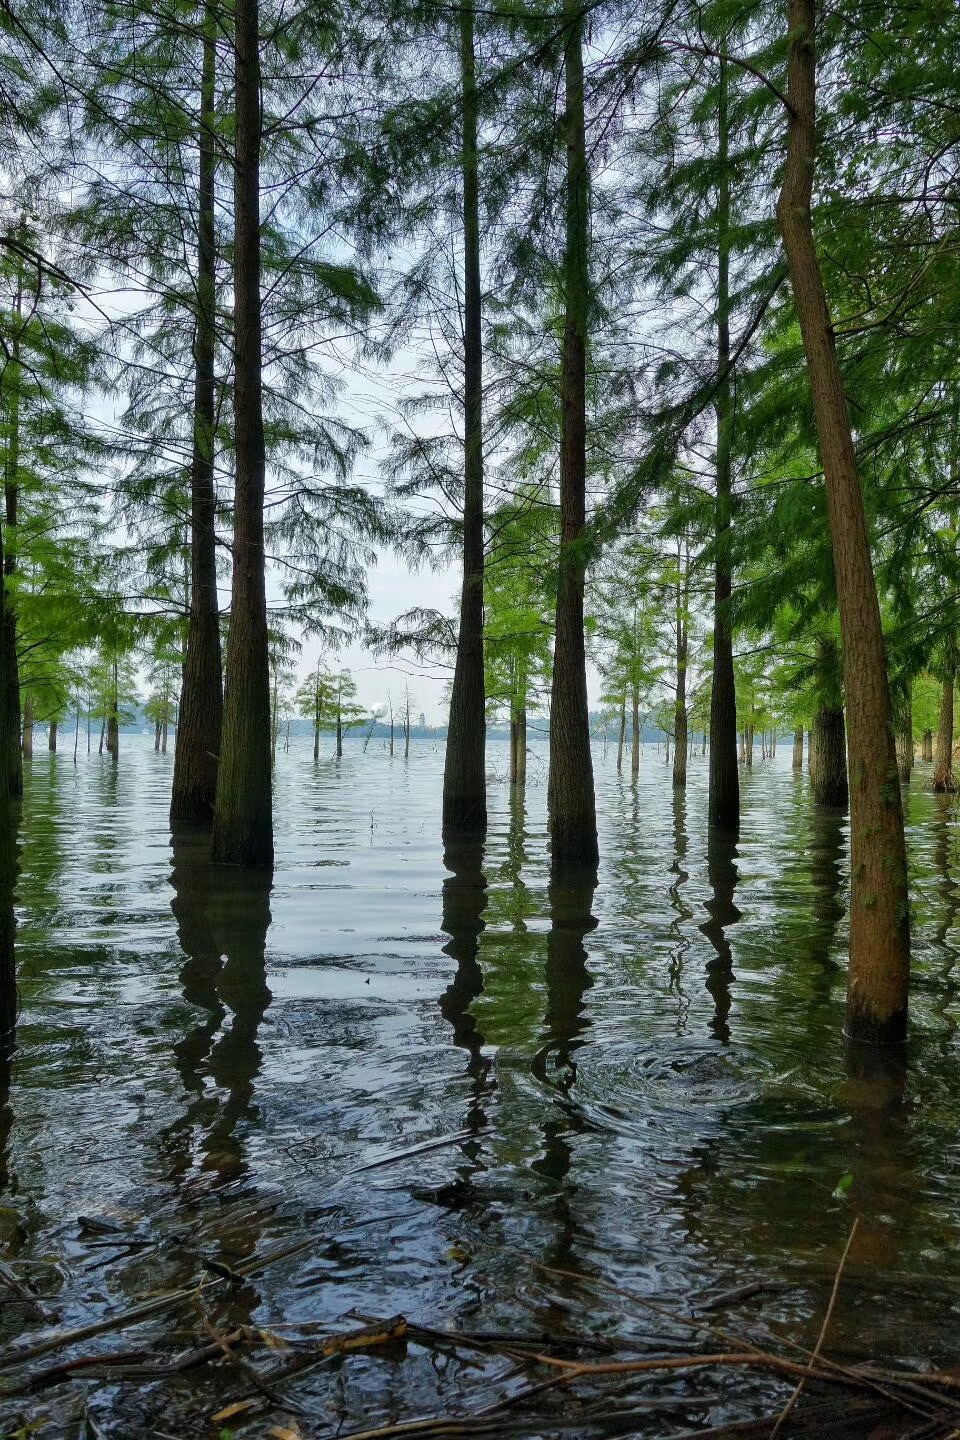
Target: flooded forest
(479, 631)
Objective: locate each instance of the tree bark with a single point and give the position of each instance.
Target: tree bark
(464, 771)
(571, 803)
(680, 702)
(113, 715)
(243, 818)
(903, 717)
(943, 776)
(828, 765)
(52, 737)
(748, 745)
(724, 784)
(798, 749)
(197, 748)
(926, 746)
(879, 971)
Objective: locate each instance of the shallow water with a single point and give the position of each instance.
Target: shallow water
(647, 1080)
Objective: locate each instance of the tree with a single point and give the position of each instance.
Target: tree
(879, 924)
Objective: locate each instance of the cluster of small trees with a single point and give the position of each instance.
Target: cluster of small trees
(656, 270)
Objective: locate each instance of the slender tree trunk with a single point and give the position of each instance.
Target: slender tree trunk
(635, 731)
(197, 747)
(680, 702)
(76, 736)
(943, 776)
(391, 727)
(52, 737)
(28, 727)
(926, 746)
(316, 738)
(828, 769)
(340, 734)
(103, 733)
(809, 752)
(522, 746)
(724, 785)
(904, 740)
(8, 631)
(798, 749)
(164, 726)
(464, 773)
(879, 969)
(621, 739)
(571, 804)
(748, 745)
(156, 736)
(243, 815)
(514, 731)
(113, 715)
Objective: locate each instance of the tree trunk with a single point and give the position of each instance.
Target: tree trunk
(748, 745)
(52, 737)
(8, 630)
(464, 771)
(522, 746)
(103, 733)
(926, 746)
(164, 725)
(513, 743)
(156, 736)
(621, 739)
(316, 741)
(571, 804)
(28, 727)
(828, 768)
(680, 702)
(200, 724)
(113, 716)
(809, 751)
(635, 732)
(798, 749)
(904, 741)
(724, 785)
(943, 777)
(8, 848)
(243, 818)
(879, 970)
(340, 735)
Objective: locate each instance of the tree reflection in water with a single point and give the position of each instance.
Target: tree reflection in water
(722, 878)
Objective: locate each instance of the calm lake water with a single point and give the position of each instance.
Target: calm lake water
(647, 1082)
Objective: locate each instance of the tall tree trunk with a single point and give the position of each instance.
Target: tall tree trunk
(113, 715)
(903, 718)
(571, 804)
(513, 741)
(8, 630)
(197, 748)
(164, 726)
(943, 777)
(724, 786)
(621, 739)
(340, 734)
(522, 746)
(52, 737)
(828, 765)
(28, 727)
(8, 851)
(680, 702)
(243, 815)
(798, 749)
(635, 731)
(748, 744)
(464, 771)
(156, 736)
(926, 746)
(879, 971)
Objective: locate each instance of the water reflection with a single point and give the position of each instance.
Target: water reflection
(222, 919)
(722, 879)
(464, 900)
(682, 912)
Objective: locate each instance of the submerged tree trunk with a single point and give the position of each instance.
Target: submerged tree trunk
(197, 747)
(52, 737)
(748, 745)
(879, 969)
(926, 746)
(798, 749)
(522, 746)
(464, 771)
(828, 766)
(571, 803)
(243, 817)
(156, 736)
(724, 784)
(943, 777)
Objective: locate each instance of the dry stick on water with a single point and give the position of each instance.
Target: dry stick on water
(787, 1409)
